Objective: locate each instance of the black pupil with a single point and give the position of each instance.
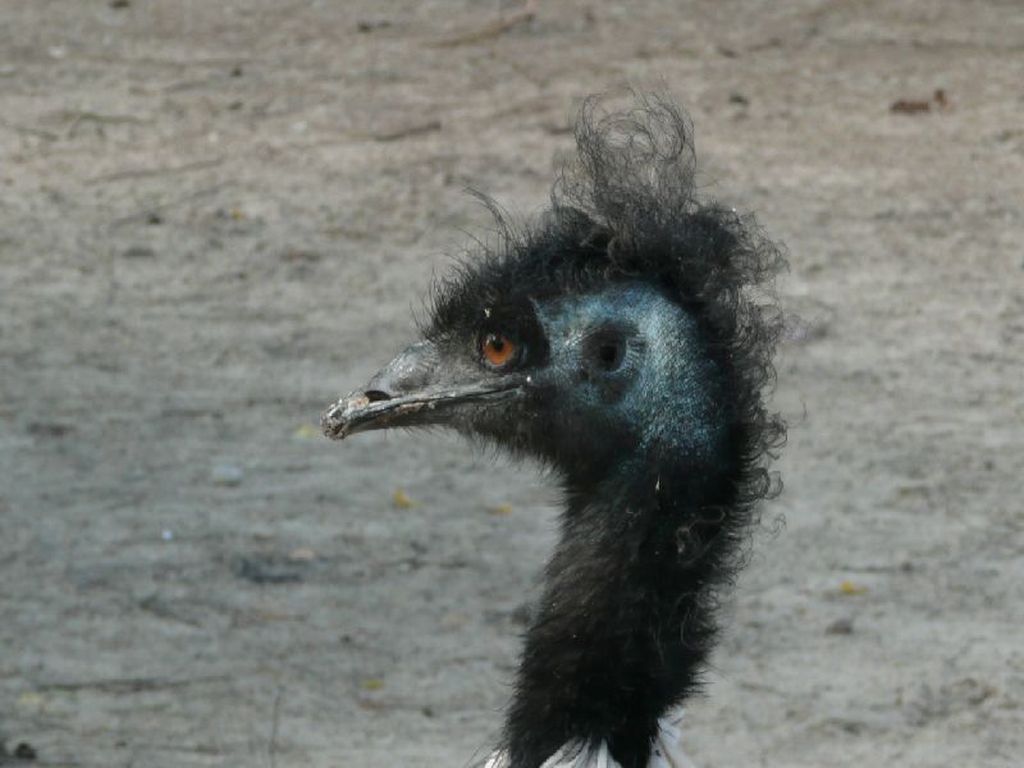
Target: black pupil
(497, 343)
(608, 354)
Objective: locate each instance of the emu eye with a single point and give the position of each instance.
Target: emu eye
(498, 350)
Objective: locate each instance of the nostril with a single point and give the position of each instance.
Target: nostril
(376, 395)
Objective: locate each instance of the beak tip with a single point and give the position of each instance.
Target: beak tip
(329, 426)
(336, 420)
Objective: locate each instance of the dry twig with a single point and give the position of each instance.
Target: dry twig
(417, 129)
(140, 173)
(274, 725)
(494, 29)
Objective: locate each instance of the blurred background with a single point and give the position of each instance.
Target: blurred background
(216, 217)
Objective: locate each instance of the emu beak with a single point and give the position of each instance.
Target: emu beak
(414, 389)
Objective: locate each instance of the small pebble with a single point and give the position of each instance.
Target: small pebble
(25, 751)
(138, 252)
(840, 627)
(227, 475)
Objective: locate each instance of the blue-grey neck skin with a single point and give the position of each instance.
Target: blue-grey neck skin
(660, 404)
(623, 626)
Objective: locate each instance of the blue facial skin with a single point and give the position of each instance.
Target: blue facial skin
(628, 363)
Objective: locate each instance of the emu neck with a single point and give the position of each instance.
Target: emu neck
(622, 628)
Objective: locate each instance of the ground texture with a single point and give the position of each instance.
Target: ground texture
(215, 217)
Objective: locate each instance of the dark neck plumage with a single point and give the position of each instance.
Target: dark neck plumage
(625, 623)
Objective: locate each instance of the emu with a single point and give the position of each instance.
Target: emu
(626, 341)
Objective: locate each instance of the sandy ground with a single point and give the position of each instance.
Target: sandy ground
(215, 217)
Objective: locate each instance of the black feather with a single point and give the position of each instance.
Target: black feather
(628, 616)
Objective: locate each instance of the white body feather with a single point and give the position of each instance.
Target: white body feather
(665, 753)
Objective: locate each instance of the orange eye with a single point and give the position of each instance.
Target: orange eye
(497, 349)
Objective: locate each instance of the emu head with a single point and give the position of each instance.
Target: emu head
(580, 377)
(618, 329)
